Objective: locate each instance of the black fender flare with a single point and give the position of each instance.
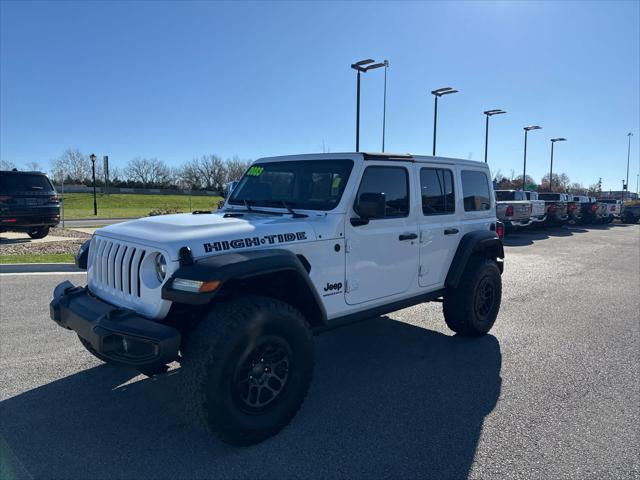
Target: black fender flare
(484, 242)
(235, 268)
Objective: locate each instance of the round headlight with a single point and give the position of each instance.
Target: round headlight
(161, 267)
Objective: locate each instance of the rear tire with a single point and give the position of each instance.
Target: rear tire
(247, 367)
(472, 308)
(39, 232)
(629, 218)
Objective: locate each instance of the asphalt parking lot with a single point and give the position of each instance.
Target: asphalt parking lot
(552, 392)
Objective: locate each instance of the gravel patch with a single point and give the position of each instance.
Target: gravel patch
(71, 245)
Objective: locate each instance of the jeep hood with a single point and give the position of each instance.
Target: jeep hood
(207, 234)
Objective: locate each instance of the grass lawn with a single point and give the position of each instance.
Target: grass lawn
(38, 258)
(124, 205)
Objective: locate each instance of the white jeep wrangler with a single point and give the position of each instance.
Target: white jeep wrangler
(302, 244)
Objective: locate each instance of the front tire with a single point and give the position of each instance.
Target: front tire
(471, 308)
(39, 232)
(247, 367)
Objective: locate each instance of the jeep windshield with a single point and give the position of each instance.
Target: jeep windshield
(303, 184)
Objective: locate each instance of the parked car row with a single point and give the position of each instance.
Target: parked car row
(518, 209)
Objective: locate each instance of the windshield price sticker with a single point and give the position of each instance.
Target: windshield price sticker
(255, 171)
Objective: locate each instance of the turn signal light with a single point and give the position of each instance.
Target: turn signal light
(5, 198)
(195, 286)
(509, 212)
(500, 230)
(594, 207)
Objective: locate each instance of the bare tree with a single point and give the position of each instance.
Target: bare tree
(561, 182)
(7, 165)
(148, 172)
(236, 168)
(33, 166)
(73, 165)
(208, 171)
(595, 189)
(577, 189)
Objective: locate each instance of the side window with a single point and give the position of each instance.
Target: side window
(475, 190)
(436, 190)
(383, 193)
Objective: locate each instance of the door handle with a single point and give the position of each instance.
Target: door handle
(451, 231)
(408, 236)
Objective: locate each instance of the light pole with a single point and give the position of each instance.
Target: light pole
(437, 93)
(553, 141)
(360, 68)
(629, 135)
(524, 171)
(93, 170)
(489, 113)
(384, 102)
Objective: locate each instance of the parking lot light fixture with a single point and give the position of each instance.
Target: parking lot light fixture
(629, 135)
(524, 170)
(362, 66)
(93, 171)
(489, 113)
(437, 93)
(384, 102)
(553, 141)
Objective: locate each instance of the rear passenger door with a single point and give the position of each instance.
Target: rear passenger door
(438, 223)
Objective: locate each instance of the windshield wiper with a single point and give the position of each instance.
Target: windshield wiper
(287, 205)
(291, 211)
(247, 204)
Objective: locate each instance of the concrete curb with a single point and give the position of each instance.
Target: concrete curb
(38, 267)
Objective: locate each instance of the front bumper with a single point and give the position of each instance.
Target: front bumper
(115, 333)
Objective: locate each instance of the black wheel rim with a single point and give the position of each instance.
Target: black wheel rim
(484, 298)
(262, 374)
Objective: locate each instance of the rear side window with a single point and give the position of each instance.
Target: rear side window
(549, 196)
(392, 183)
(475, 189)
(505, 196)
(436, 190)
(10, 182)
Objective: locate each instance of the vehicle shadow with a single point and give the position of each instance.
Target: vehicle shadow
(524, 237)
(13, 241)
(388, 400)
(560, 232)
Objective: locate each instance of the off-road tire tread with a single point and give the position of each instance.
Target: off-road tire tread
(457, 306)
(203, 348)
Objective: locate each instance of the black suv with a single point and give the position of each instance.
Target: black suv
(28, 203)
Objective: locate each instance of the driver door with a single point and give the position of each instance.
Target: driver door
(382, 243)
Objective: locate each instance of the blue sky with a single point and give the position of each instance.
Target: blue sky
(179, 80)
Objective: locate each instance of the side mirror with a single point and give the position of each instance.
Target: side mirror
(371, 205)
